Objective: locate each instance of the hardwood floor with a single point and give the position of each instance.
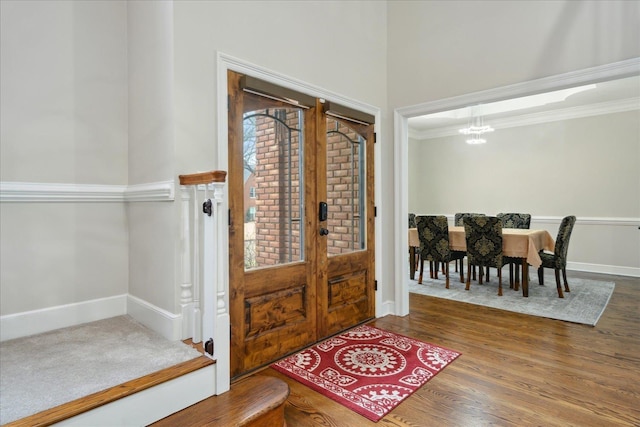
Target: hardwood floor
(515, 370)
(255, 401)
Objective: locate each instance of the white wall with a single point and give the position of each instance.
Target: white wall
(153, 226)
(459, 47)
(588, 166)
(63, 97)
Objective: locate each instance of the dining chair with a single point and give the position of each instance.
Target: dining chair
(458, 221)
(433, 231)
(558, 259)
(484, 245)
(514, 220)
(416, 260)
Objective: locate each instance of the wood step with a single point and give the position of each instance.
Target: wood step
(95, 400)
(251, 402)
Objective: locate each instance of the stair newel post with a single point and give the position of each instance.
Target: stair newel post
(211, 323)
(186, 286)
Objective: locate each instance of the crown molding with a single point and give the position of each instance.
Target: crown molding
(54, 192)
(601, 108)
(621, 69)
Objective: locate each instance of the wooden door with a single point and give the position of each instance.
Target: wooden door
(279, 258)
(346, 254)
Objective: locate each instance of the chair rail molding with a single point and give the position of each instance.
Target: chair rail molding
(581, 220)
(584, 220)
(26, 192)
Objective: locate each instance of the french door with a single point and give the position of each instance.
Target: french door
(301, 230)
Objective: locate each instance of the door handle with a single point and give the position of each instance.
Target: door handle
(323, 231)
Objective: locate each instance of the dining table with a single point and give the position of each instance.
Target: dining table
(516, 242)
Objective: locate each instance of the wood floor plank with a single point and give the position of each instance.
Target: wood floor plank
(514, 369)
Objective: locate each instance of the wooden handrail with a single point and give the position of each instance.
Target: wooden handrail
(202, 178)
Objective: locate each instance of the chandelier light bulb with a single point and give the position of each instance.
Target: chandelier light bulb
(475, 129)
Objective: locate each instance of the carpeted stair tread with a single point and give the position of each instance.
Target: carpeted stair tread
(84, 404)
(53, 369)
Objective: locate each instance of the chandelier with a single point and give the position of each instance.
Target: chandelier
(476, 127)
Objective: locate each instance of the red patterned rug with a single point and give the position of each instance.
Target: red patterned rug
(366, 369)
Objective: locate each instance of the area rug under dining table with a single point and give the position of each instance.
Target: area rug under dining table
(584, 304)
(367, 369)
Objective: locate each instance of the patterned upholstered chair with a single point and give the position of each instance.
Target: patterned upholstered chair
(484, 245)
(434, 245)
(558, 259)
(458, 221)
(415, 260)
(514, 220)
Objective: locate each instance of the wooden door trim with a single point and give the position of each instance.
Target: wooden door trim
(236, 270)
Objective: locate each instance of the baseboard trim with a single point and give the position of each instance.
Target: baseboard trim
(167, 324)
(615, 270)
(387, 307)
(47, 319)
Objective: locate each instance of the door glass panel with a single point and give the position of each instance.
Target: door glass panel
(345, 188)
(273, 178)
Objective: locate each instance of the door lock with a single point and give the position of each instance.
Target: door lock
(322, 211)
(324, 231)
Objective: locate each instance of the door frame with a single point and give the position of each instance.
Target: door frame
(226, 62)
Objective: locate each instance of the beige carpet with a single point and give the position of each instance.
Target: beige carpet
(45, 370)
(584, 304)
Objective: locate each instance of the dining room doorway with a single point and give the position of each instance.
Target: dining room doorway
(601, 74)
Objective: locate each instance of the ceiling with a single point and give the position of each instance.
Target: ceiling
(610, 96)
